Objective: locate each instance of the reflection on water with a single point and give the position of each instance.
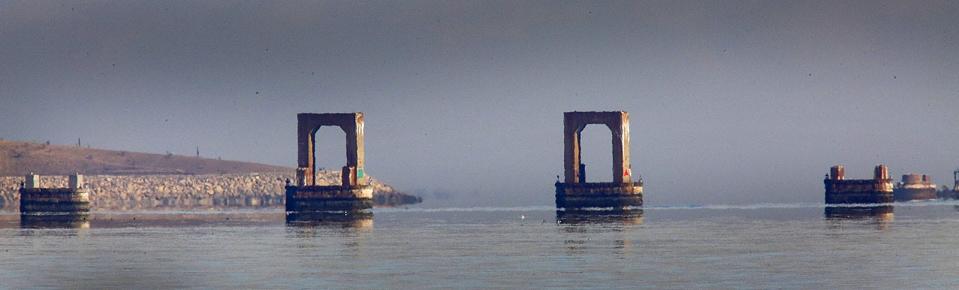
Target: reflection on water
(181, 203)
(358, 220)
(880, 216)
(583, 228)
(67, 221)
(142, 219)
(859, 212)
(619, 216)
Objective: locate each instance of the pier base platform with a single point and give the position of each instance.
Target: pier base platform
(44, 201)
(599, 195)
(908, 194)
(333, 198)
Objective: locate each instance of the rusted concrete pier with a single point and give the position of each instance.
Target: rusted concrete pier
(354, 192)
(575, 192)
(840, 190)
(915, 187)
(37, 200)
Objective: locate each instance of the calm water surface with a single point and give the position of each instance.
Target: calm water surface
(761, 246)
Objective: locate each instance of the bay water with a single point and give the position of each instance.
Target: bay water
(914, 245)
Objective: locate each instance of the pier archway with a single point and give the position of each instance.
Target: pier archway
(352, 126)
(596, 154)
(329, 152)
(573, 125)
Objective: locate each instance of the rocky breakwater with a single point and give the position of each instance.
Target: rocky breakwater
(131, 192)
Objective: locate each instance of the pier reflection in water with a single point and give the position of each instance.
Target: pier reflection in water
(53, 221)
(142, 219)
(585, 231)
(183, 203)
(859, 212)
(358, 220)
(880, 215)
(619, 216)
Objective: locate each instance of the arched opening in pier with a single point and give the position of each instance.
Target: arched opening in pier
(329, 154)
(595, 153)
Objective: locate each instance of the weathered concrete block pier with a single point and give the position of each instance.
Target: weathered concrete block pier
(37, 200)
(575, 192)
(354, 192)
(915, 187)
(840, 190)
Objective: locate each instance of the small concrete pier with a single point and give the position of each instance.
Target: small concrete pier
(574, 191)
(915, 187)
(37, 200)
(353, 194)
(840, 190)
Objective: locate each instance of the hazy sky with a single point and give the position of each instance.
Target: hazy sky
(730, 101)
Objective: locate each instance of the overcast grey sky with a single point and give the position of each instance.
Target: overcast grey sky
(730, 101)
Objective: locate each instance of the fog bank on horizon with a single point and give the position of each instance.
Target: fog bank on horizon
(730, 101)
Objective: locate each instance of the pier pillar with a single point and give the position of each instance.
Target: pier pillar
(348, 176)
(76, 181)
(302, 178)
(32, 181)
(837, 172)
(955, 179)
(881, 172)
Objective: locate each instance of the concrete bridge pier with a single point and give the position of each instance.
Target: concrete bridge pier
(37, 200)
(354, 192)
(575, 192)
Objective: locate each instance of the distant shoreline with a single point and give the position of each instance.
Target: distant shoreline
(19, 158)
(131, 180)
(129, 192)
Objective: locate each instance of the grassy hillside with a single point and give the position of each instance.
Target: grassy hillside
(19, 158)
